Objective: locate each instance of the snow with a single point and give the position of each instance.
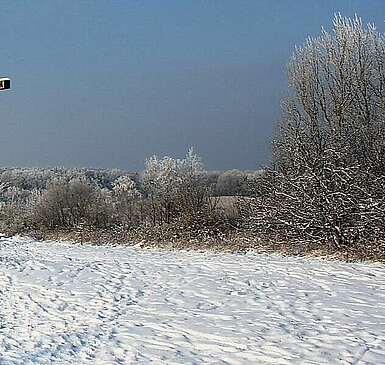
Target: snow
(63, 303)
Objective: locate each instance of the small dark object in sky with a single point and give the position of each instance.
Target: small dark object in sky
(5, 83)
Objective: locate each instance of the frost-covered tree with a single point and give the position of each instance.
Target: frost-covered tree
(174, 186)
(126, 187)
(327, 179)
(337, 105)
(126, 200)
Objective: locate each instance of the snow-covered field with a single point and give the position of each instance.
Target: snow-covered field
(70, 304)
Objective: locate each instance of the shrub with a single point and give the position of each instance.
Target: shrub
(67, 204)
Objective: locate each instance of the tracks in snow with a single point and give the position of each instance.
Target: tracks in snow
(64, 303)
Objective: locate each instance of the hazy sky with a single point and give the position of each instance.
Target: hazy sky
(109, 83)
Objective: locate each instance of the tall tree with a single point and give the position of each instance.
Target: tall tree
(327, 181)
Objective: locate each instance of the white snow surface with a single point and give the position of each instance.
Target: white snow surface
(64, 303)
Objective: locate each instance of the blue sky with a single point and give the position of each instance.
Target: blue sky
(109, 83)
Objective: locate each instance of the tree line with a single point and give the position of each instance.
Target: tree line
(170, 194)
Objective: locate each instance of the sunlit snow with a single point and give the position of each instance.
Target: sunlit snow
(63, 303)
